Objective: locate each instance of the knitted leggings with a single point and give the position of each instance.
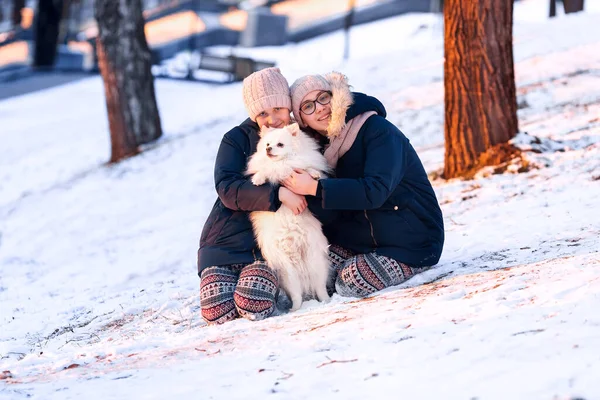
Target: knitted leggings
(230, 291)
(359, 275)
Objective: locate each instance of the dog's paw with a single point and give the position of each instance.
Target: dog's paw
(258, 180)
(283, 303)
(314, 173)
(323, 295)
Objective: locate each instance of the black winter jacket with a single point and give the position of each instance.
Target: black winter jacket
(386, 200)
(227, 237)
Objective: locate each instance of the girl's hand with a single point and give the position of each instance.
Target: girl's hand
(293, 201)
(300, 182)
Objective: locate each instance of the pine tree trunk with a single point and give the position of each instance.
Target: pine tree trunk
(47, 26)
(124, 62)
(479, 82)
(572, 6)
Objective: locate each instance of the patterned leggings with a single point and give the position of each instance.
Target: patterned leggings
(359, 275)
(230, 291)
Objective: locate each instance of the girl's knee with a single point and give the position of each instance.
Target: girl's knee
(254, 295)
(258, 270)
(346, 285)
(338, 255)
(217, 304)
(359, 277)
(350, 282)
(254, 309)
(217, 286)
(217, 316)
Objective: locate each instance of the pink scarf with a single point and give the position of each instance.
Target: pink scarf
(341, 143)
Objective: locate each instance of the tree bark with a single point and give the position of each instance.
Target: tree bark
(479, 83)
(552, 8)
(47, 26)
(124, 62)
(572, 6)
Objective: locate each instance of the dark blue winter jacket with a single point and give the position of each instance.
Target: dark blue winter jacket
(227, 237)
(388, 204)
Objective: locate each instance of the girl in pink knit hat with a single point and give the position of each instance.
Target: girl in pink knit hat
(389, 225)
(234, 278)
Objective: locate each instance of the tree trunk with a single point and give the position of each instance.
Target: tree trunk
(347, 24)
(436, 6)
(124, 61)
(479, 84)
(47, 25)
(552, 8)
(572, 6)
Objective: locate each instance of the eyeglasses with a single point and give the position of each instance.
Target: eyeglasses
(309, 107)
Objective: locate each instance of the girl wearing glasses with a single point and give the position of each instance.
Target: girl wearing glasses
(389, 225)
(234, 279)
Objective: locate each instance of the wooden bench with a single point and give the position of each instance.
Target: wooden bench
(233, 68)
(238, 68)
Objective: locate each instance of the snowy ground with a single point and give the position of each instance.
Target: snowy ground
(98, 285)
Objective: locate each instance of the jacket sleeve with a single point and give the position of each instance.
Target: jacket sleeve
(384, 167)
(235, 190)
(315, 206)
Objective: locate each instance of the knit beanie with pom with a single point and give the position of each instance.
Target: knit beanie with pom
(265, 89)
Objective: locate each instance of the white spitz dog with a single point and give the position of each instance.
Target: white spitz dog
(293, 245)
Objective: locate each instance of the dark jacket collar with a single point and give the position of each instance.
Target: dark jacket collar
(362, 104)
(249, 126)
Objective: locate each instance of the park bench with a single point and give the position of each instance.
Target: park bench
(232, 68)
(237, 67)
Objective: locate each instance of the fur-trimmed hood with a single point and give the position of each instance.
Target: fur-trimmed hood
(341, 100)
(346, 105)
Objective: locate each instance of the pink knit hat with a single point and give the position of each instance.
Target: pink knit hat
(265, 89)
(301, 87)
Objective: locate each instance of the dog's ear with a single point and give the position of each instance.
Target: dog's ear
(294, 129)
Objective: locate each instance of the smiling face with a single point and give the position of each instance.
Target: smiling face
(276, 117)
(277, 143)
(321, 115)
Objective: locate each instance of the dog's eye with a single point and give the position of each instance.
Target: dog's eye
(279, 144)
(268, 144)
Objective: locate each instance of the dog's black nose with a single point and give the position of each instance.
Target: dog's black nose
(269, 150)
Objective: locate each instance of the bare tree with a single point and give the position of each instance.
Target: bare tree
(125, 61)
(479, 83)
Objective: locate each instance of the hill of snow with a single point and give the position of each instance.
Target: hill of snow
(98, 285)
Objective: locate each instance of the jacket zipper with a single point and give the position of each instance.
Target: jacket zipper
(371, 227)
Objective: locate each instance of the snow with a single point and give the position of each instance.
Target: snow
(98, 284)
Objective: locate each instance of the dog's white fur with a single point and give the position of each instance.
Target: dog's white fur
(293, 245)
